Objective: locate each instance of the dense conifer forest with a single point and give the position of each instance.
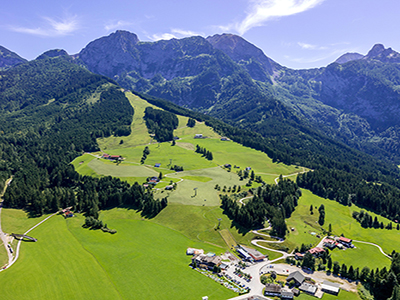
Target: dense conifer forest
(48, 118)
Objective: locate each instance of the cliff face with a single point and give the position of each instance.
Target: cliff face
(9, 59)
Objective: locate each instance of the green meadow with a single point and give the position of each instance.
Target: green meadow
(340, 217)
(143, 260)
(146, 258)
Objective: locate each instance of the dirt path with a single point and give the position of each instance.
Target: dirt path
(294, 174)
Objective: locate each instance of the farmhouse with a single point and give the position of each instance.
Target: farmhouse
(272, 290)
(250, 253)
(224, 139)
(297, 277)
(286, 294)
(298, 256)
(331, 244)
(330, 287)
(169, 187)
(112, 157)
(206, 261)
(345, 242)
(317, 251)
(198, 136)
(309, 288)
(157, 165)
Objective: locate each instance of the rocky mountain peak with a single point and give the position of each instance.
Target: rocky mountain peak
(241, 51)
(379, 52)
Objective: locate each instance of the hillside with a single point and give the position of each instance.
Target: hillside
(227, 73)
(9, 59)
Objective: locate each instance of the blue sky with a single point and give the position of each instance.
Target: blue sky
(295, 33)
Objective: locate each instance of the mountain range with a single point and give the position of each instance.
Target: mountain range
(354, 100)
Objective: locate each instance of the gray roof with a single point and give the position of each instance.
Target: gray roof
(273, 288)
(332, 284)
(296, 276)
(308, 287)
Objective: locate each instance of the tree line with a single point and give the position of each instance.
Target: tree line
(273, 202)
(206, 153)
(161, 123)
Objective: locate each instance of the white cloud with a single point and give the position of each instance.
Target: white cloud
(52, 27)
(115, 25)
(174, 34)
(264, 10)
(311, 47)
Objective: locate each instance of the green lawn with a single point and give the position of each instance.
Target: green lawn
(143, 259)
(343, 295)
(56, 267)
(342, 223)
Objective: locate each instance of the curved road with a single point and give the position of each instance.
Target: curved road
(379, 247)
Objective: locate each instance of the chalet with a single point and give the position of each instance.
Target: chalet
(297, 277)
(224, 139)
(331, 244)
(207, 261)
(248, 168)
(317, 251)
(112, 157)
(330, 287)
(309, 288)
(198, 136)
(272, 290)
(345, 241)
(157, 165)
(286, 294)
(169, 187)
(228, 166)
(298, 256)
(251, 254)
(68, 214)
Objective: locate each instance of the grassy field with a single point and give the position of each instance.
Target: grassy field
(56, 267)
(342, 223)
(96, 265)
(343, 295)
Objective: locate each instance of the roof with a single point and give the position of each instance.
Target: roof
(296, 276)
(316, 250)
(329, 241)
(255, 254)
(330, 286)
(299, 254)
(115, 156)
(308, 287)
(273, 288)
(286, 293)
(157, 165)
(345, 240)
(244, 253)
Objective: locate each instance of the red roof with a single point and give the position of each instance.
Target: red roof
(115, 156)
(316, 250)
(106, 155)
(329, 241)
(299, 254)
(345, 240)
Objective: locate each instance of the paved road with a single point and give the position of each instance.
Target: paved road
(3, 236)
(375, 246)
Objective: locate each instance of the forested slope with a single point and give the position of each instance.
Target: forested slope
(51, 111)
